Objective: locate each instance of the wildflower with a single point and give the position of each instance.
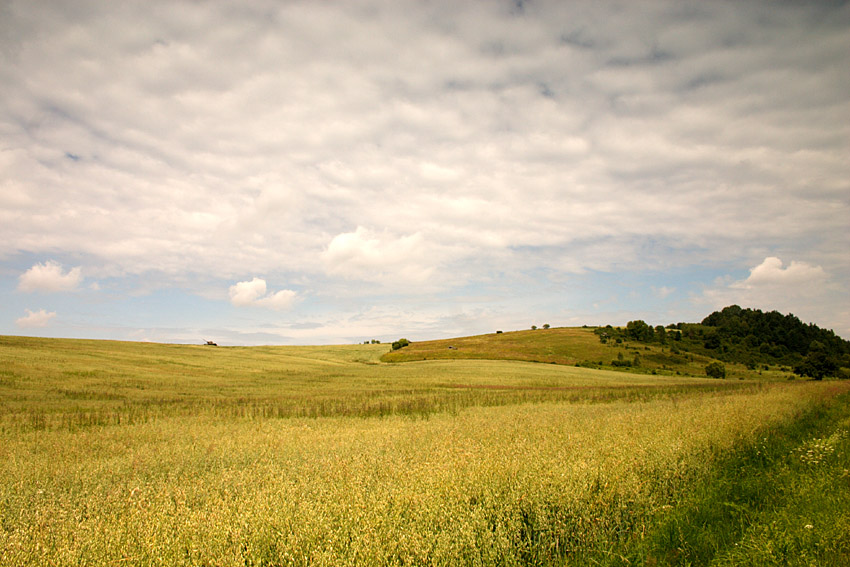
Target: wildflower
(809, 526)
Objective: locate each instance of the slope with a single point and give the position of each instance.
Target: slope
(575, 346)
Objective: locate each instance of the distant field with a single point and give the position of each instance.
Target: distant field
(116, 453)
(64, 383)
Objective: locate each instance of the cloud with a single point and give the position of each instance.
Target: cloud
(247, 293)
(48, 277)
(796, 278)
(663, 291)
(283, 299)
(372, 145)
(253, 293)
(808, 291)
(35, 319)
(565, 122)
(381, 257)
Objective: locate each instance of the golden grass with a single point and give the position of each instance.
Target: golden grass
(521, 479)
(71, 383)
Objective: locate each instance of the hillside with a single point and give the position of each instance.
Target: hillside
(749, 343)
(574, 346)
(556, 346)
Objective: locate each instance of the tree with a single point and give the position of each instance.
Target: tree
(546, 326)
(712, 341)
(715, 370)
(639, 331)
(401, 343)
(817, 364)
(534, 327)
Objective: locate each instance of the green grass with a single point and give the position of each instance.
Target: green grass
(784, 500)
(556, 346)
(572, 346)
(117, 453)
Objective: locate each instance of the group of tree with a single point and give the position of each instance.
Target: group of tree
(747, 336)
(637, 331)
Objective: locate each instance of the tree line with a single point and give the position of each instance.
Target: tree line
(748, 336)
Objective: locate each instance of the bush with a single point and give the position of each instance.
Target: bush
(715, 370)
(401, 343)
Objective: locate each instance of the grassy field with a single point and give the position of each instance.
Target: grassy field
(144, 454)
(573, 346)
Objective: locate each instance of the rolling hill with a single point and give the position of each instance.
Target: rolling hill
(749, 343)
(574, 346)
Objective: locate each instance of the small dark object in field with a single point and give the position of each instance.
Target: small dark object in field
(210, 343)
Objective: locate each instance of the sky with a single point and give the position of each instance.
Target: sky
(305, 172)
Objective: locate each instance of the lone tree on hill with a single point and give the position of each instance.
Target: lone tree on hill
(715, 370)
(817, 364)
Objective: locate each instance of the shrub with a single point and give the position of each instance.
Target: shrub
(715, 370)
(401, 343)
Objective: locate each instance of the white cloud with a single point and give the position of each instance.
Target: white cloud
(49, 277)
(371, 256)
(280, 300)
(247, 293)
(35, 319)
(253, 293)
(803, 289)
(568, 121)
(663, 291)
(796, 278)
(770, 285)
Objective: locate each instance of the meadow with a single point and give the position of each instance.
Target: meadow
(118, 453)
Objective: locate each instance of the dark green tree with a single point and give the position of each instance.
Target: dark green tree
(818, 364)
(715, 370)
(639, 331)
